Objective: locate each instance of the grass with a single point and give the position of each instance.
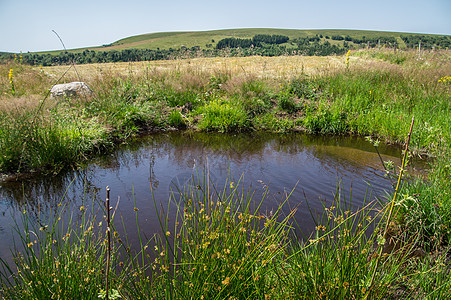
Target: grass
(61, 259)
(221, 245)
(376, 95)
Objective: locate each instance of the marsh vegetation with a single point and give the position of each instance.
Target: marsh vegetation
(238, 251)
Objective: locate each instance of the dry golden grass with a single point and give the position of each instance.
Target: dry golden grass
(32, 83)
(264, 67)
(17, 104)
(281, 67)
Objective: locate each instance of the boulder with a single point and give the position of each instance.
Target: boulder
(72, 89)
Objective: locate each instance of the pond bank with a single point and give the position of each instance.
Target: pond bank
(375, 99)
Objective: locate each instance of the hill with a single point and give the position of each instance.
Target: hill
(208, 39)
(235, 42)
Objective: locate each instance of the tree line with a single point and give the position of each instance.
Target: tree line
(258, 40)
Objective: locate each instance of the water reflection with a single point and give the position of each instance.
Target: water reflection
(163, 161)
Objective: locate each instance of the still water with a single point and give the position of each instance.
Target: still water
(312, 166)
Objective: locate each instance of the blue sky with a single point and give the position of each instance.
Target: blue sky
(27, 25)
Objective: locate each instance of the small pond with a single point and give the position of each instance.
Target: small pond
(314, 165)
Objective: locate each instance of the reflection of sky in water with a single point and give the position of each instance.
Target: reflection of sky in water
(314, 165)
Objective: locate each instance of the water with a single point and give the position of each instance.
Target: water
(314, 165)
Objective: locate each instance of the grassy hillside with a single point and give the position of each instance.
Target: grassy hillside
(175, 40)
(166, 40)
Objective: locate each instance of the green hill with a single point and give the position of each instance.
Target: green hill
(235, 42)
(207, 39)
(175, 40)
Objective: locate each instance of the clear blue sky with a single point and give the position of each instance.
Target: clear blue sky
(26, 25)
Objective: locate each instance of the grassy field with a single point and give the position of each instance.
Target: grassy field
(372, 93)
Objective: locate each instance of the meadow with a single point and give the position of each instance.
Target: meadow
(237, 251)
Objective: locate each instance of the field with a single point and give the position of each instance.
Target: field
(373, 93)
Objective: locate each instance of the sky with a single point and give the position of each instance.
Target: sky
(28, 25)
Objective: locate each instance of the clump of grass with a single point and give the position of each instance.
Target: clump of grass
(338, 260)
(176, 120)
(23, 81)
(286, 102)
(325, 121)
(424, 207)
(222, 246)
(62, 259)
(223, 116)
(49, 142)
(269, 122)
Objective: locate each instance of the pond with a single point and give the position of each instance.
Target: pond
(313, 166)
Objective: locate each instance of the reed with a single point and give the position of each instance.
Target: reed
(221, 245)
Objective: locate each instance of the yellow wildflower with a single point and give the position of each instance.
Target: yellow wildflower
(226, 281)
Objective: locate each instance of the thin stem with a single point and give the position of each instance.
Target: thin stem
(392, 204)
(108, 232)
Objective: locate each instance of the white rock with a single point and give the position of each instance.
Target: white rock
(72, 89)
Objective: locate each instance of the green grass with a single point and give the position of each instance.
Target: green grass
(221, 245)
(61, 259)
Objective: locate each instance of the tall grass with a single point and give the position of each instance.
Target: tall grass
(377, 95)
(61, 259)
(370, 97)
(222, 244)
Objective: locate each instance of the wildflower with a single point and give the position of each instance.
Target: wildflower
(445, 80)
(347, 57)
(320, 227)
(226, 281)
(11, 82)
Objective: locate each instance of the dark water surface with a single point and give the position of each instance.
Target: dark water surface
(313, 164)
